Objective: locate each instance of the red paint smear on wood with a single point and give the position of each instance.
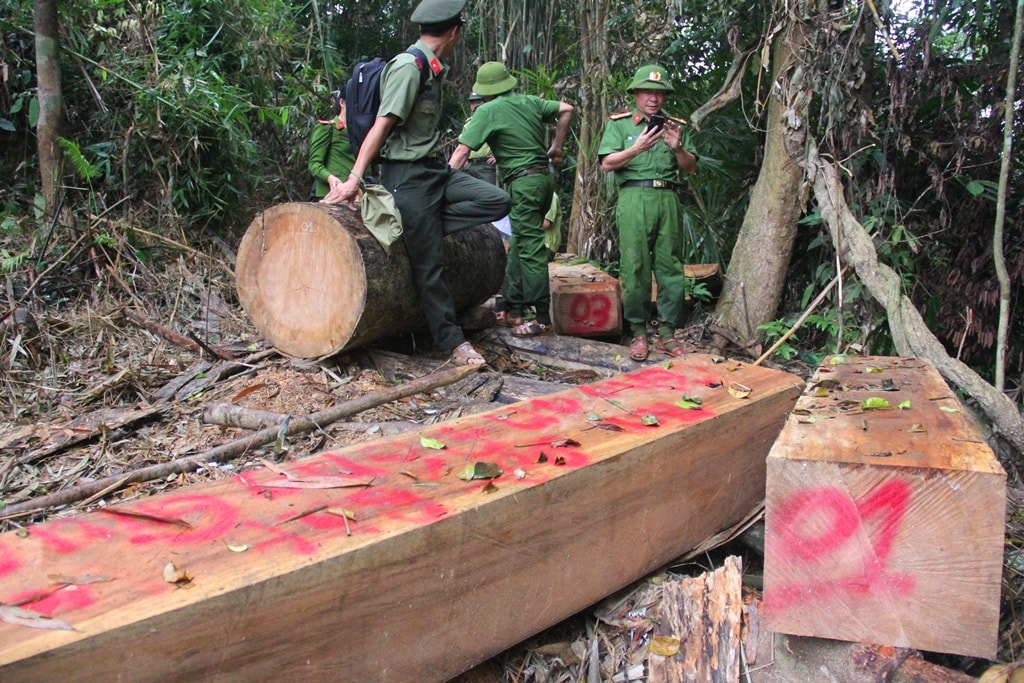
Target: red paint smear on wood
(394, 504)
(8, 563)
(67, 536)
(67, 599)
(211, 517)
(812, 524)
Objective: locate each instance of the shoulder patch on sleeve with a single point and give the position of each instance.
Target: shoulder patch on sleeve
(620, 115)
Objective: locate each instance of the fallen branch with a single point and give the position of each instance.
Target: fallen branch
(910, 334)
(803, 317)
(190, 343)
(235, 449)
(241, 417)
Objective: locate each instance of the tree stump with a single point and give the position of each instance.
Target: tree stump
(315, 282)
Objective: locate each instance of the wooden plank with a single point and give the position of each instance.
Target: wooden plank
(585, 300)
(438, 573)
(884, 526)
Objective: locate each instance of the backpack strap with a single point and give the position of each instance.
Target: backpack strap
(423, 65)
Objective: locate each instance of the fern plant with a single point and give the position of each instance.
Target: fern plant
(85, 169)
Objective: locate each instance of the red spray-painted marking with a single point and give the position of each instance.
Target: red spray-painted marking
(356, 469)
(67, 536)
(589, 313)
(64, 600)
(8, 564)
(211, 518)
(878, 517)
(395, 504)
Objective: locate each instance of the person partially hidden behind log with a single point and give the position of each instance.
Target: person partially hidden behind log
(433, 199)
(330, 154)
(515, 127)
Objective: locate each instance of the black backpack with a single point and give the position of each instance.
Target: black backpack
(362, 96)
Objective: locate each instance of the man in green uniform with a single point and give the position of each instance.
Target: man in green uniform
(515, 127)
(481, 162)
(646, 160)
(330, 154)
(433, 199)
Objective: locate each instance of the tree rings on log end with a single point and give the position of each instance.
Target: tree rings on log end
(300, 279)
(314, 282)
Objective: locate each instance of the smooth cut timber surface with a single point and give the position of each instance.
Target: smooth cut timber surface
(314, 282)
(884, 513)
(429, 574)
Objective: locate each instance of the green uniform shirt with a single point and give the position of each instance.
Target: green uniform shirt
(416, 134)
(329, 154)
(515, 126)
(657, 163)
(483, 152)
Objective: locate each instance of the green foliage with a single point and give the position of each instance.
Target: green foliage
(86, 170)
(775, 330)
(11, 262)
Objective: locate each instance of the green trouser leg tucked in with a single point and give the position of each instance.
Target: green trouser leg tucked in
(650, 237)
(435, 201)
(526, 271)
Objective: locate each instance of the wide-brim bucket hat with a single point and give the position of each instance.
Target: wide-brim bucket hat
(493, 78)
(651, 77)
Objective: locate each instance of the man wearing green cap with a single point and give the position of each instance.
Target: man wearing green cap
(644, 150)
(515, 127)
(433, 199)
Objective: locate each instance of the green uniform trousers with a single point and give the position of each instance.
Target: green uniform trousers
(650, 235)
(435, 201)
(526, 271)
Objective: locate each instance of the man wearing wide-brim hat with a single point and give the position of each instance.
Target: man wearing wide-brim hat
(644, 149)
(433, 199)
(515, 127)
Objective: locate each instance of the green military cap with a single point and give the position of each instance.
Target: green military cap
(437, 11)
(493, 78)
(650, 77)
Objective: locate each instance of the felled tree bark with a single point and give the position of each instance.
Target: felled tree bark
(909, 332)
(314, 282)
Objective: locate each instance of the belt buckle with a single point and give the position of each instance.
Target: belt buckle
(660, 184)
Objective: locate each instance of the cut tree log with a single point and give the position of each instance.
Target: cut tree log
(314, 282)
(884, 513)
(422, 574)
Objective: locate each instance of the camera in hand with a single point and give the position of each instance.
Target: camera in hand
(656, 122)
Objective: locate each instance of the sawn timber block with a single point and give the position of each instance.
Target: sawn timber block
(432, 574)
(585, 301)
(884, 525)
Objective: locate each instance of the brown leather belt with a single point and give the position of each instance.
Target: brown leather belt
(532, 170)
(658, 184)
